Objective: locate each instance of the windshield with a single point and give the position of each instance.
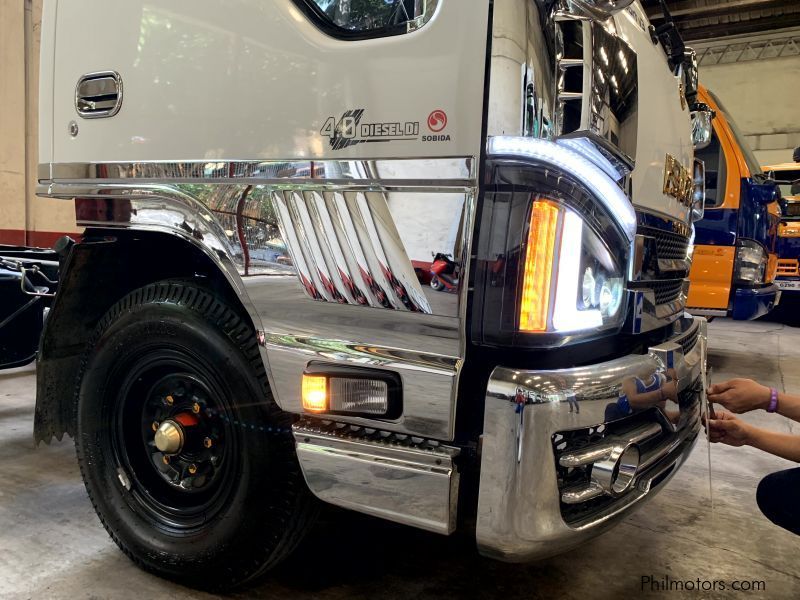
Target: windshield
(789, 182)
(749, 157)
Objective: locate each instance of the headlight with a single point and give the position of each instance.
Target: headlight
(551, 260)
(571, 280)
(751, 263)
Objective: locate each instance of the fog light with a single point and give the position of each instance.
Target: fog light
(369, 396)
(315, 393)
(345, 390)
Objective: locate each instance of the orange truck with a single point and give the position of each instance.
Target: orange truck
(787, 175)
(734, 261)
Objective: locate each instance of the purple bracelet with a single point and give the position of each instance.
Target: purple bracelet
(773, 400)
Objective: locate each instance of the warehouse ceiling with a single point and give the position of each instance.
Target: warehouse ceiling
(709, 19)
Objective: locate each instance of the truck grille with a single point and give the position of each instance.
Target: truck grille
(788, 267)
(668, 245)
(666, 291)
(689, 341)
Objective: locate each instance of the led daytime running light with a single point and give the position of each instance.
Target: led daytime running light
(539, 255)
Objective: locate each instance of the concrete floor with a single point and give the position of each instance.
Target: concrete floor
(53, 546)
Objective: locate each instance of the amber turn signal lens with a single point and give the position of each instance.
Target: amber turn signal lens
(315, 393)
(539, 256)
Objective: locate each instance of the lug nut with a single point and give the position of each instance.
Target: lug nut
(207, 443)
(155, 426)
(195, 408)
(169, 400)
(165, 458)
(192, 469)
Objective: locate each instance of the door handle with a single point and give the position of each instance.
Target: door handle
(98, 94)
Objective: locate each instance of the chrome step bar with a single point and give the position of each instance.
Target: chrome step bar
(603, 452)
(593, 454)
(401, 478)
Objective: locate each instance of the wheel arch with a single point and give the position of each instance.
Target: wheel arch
(100, 270)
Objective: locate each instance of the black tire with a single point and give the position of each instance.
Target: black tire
(247, 506)
(436, 283)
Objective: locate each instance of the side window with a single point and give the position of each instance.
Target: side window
(714, 159)
(359, 19)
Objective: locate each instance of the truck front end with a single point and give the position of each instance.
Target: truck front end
(579, 274)
(734, 262)
(462, 287)
(788, 244)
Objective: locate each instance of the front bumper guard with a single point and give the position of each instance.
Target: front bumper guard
(751, 303)
(651, 401)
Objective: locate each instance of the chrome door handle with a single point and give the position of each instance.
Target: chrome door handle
(98, 94)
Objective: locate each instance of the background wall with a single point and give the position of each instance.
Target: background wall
(24, 219)
(757, 78)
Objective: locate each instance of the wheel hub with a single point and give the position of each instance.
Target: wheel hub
(185, 437)
(169, 437)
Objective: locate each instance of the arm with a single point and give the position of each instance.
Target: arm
(784, 445)
(743, 395)
(731, 430)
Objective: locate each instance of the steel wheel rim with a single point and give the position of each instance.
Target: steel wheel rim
(188, 500)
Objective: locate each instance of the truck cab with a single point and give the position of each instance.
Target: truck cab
(734, 260)
(788, 245)
(246, 327)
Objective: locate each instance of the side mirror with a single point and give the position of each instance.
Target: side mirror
(691, 79)
(600, 9)
(699, 195)
(702, 129)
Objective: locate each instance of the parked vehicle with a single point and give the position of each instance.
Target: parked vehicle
(788, 246)
(444, 273)
(734, 261)
(28, 280)
(213, 397)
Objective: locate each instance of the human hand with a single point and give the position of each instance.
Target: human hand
(728, 429)
(740, 395)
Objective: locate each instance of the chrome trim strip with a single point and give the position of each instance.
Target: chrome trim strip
(519, 505)
(707, 312)
(409, 481)
(440, 172)
(584, 494)
(674, 264)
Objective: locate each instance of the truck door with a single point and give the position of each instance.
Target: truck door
(715, 235)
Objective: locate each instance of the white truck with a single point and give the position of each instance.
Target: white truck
(246, 327)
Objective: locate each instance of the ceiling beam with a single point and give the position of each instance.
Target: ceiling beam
(688, 9)
(739, 28)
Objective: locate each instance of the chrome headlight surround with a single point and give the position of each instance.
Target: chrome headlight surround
(598, 9)
(553, 250)
(750, 267)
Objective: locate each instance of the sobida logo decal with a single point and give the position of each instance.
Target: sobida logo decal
(351, 129)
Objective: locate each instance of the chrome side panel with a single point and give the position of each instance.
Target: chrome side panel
(410, 481)
(328, 257)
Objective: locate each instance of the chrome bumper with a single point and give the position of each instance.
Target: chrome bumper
(567, 453)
